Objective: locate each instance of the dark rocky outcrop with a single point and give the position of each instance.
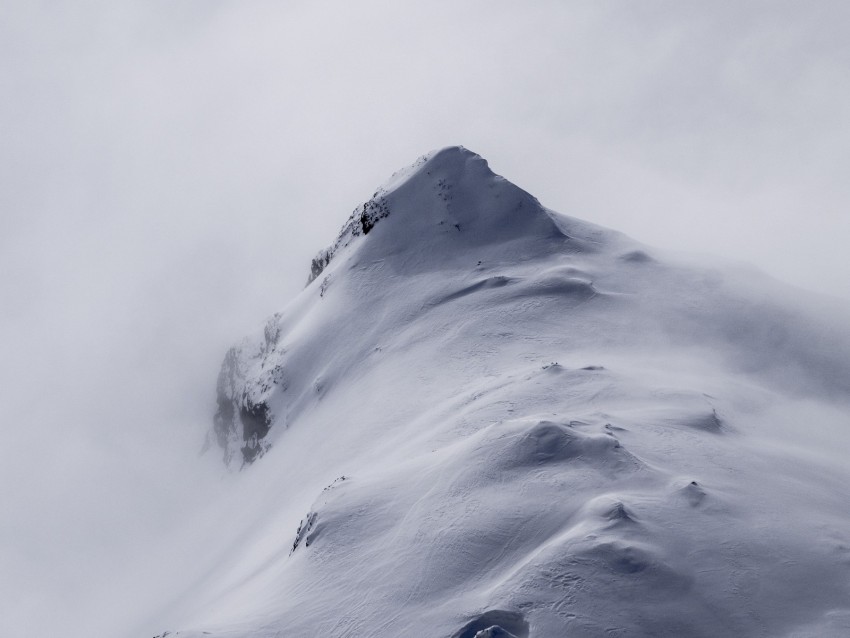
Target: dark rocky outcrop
(493, 623)
(361, 222)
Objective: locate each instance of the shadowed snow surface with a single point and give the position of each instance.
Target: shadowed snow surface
(483, 418)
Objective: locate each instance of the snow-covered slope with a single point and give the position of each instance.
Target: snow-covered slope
(483, 418)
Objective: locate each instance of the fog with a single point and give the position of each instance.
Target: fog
(168, 169)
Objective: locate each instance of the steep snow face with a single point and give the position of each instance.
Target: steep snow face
(445, 203)
(482, 418)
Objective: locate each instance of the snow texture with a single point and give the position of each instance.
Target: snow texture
(482, 418)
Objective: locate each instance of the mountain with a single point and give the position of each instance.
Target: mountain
(484, 418)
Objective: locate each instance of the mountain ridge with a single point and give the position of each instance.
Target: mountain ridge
(428, 216)
(555, 429)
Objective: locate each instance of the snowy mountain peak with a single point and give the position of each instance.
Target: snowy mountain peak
(484, 418)
(447, 212)
(447, 201)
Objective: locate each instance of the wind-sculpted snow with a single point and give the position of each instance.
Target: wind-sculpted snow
(486, 419)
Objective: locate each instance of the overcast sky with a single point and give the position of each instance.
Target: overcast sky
(168, 169)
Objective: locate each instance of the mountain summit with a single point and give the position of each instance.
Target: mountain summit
(448, 201)
(484, 418)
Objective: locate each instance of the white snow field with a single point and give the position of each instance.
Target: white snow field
(484, 418)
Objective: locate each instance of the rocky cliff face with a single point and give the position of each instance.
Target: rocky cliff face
(250, 375)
